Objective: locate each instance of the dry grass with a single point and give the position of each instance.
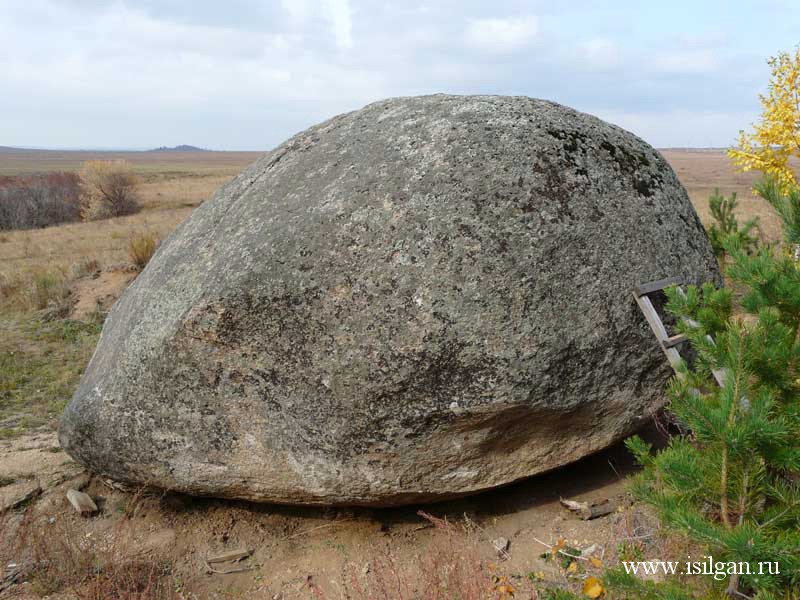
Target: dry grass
(165, 203)
(42, 287)
(104, 241)
(172, 184)
(452, 566)
(141, 247)
(700, 171)
(15, 162)
(185, 191)
(37, 289)
(55, 556)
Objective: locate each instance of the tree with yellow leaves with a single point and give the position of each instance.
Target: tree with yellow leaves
(776, 138)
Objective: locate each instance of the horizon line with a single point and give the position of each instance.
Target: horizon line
(198, 149)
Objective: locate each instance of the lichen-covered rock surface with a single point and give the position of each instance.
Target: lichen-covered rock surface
(418, 300)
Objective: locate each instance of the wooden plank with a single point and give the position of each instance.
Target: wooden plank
(721, 375)
(674, 340)
(668, 342)
(654, 286)
(590, 510)
(651, 315)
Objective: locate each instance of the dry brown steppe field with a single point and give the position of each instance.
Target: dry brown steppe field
(173, 183)
(702, 170)
(20, 161)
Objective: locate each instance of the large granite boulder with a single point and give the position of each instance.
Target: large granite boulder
(418, 300)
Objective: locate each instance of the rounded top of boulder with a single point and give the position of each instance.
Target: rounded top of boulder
(418, 300)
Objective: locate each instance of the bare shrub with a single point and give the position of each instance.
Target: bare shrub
(141, 247)
(109, 189)
(39, 200)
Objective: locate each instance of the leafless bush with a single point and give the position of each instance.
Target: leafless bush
(109, 189)
(39, 200)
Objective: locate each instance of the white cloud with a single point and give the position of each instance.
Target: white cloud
(600, 53)
(132, 72)
(686, 61)
(340, 16)
(121, 73)
(501, 36)
(687, 128)
(296, 9)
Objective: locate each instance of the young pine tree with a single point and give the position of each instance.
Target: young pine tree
(725, 224)
(786, 202)
(733, 483)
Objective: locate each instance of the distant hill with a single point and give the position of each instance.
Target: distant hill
(181, 148)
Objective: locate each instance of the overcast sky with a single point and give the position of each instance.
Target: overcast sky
(246, 74)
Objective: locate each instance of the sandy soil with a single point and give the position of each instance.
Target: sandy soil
(99, 291)
(294, 545)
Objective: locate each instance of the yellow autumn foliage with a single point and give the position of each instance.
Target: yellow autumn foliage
(776, 138)
(592, 587)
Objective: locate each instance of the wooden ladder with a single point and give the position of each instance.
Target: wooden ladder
(669, 343)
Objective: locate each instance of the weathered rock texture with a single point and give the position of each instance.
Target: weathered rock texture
(418, 300)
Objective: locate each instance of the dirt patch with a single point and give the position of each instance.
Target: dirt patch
(334, 550)
(36, 457)
(99, 291)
